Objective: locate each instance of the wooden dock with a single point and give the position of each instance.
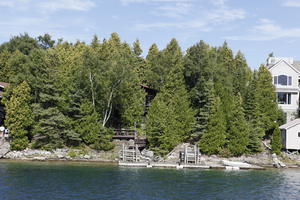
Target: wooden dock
(185, 166)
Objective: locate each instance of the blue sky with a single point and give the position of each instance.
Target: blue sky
(256, 27)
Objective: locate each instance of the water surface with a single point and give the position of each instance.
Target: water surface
(82, 181)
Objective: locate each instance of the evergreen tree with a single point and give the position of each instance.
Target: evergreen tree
(214, 138)
(45, 41)
(223, 78)
(253, 116)
(199, 64)
(238, 131)
(241, 74)
(154, 72)
(18, 115)
(266, 98)
(170, 117)
(23, 43)
(51, 127)
(91, 130)
(137, 48)
(276, 141)
(203, 96)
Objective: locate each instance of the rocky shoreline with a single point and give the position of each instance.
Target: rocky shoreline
(264, 159)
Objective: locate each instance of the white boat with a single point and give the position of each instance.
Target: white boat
(236, 164)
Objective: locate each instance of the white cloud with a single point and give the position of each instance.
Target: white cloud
(174, 10)
(80, 5)
(126, 2)
(168, 8)
(193, 14)
(7, 3)
(206, 21)
(36, 17)
(49, 5)
(291, 3)
(268, 30)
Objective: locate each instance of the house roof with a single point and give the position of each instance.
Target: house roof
(295, 65)
(290, 124)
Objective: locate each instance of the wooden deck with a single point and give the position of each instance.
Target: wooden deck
(128, 134)
(125, 134)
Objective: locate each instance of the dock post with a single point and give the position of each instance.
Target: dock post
(136, 151)
(185, 154)
(123, 152)
(195, 154)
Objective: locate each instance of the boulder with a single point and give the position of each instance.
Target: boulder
(147, 153)
(4, 148)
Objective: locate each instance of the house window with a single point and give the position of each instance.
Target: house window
(298, 134)
(284, 98)
(282, 80)
(275, 80)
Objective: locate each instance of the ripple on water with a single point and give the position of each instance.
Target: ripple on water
(36, 181)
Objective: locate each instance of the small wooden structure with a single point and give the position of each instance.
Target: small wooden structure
(130, 153)
(290, 135)
(125, 134)
(128, 134)
(191, 154)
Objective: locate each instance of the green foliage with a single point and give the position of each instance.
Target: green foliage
(214, 138)
(23, 43)
(72, 154)
(170, 117)
(19, 143)
(253, 115)
(137, 48)
(80, 92)
(266, 99)
(18, 115)
(241, 75)
(276, 141)
(91, 131)
(238, 131)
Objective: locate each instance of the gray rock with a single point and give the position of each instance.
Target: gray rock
(4, 148)
(147, 153)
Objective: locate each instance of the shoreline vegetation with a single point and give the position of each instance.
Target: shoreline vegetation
(263, 160)
(64, 95)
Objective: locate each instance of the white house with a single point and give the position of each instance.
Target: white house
(290, 134)
(286, 78)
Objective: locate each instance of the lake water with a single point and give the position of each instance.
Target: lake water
(83, 181)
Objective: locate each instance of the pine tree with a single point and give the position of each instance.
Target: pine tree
(51, 125)
(276, 141)
(170, 117)
(241, 74)
(198, 71)
(203, 97)
(90, 129)
(214, 138)
(238, 129)
(253, 116)
(223, 78)
(19, 115)
(266, 98)
(154, 72)
(137, 48)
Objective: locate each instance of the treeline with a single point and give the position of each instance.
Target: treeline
(65, 94)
